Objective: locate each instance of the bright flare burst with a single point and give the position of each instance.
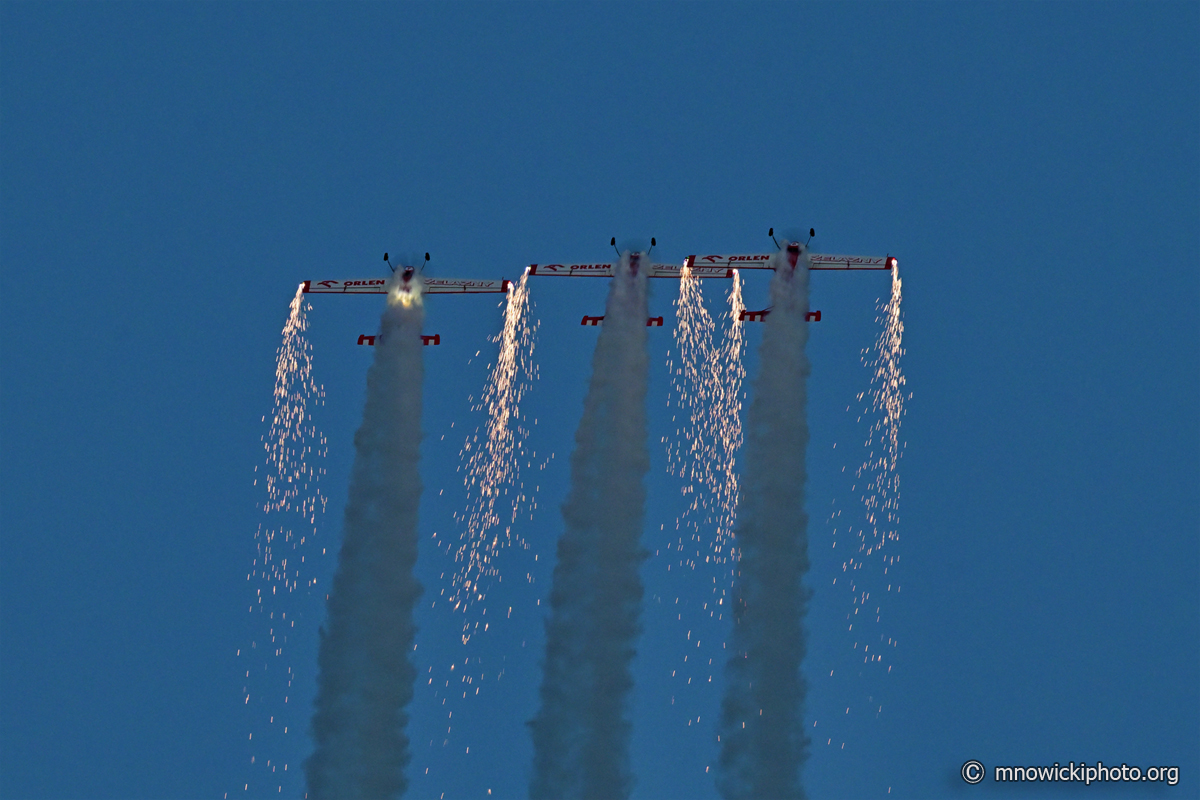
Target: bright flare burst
(285, 553)
(493, 458)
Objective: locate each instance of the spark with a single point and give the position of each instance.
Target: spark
(295, 448)
(884, 444)
(869, 567)
(493, 456)
(707, 388)
(707, 395)
(285, 559)
(289, 479)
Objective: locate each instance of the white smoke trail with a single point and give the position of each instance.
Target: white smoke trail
(763, 742)
(580, 733)
(365, 675)
(493, 459)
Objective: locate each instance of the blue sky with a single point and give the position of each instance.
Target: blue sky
(170, 172)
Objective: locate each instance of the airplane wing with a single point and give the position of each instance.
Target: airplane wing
(606, 270)
(431, 286)
(815, 261)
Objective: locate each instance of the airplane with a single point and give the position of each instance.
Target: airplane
(410, 284)
(652, 270)
(718, 266)
(405, 288)
(794, 251)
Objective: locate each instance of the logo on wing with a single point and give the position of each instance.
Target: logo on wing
(465, 284)
(866, 261)
(735, 259)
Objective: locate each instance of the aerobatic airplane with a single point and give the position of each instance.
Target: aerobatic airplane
(637, 262)
(408, 285)
(405, 288)
(794, 252)
(719, 266)
(411, 283)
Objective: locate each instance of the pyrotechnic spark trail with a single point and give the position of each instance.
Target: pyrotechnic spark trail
(763, 742)
(880, 495)
(493, 460)
(286, 549)
(289, 478)
(871, 535)
(706, 383)
(707, 388)
(365, 678)
(581, 733)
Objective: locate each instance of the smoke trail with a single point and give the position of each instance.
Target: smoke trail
(365, 676)
(763, 743)
(580, 734)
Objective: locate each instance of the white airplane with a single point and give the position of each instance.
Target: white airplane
(795, 251)
(717, 266)
(637, 262)
(407, 285)
(405, 288)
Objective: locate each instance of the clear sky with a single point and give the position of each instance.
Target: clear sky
(170, 172)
